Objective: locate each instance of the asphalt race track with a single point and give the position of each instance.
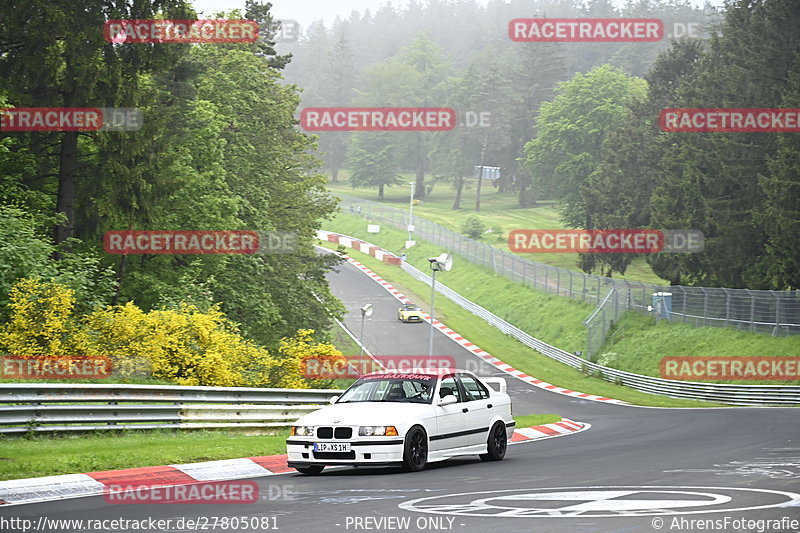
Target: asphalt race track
(635, 470)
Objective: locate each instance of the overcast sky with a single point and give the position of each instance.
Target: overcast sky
(306, 11)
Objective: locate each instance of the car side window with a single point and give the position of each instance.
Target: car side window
(475, 389)
(450, 383)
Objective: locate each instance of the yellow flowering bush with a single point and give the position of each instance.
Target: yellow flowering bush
(185, 345)
(293, 353)
(41, 322)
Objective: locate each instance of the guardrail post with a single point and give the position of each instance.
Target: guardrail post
(570, 284)
(727, 307)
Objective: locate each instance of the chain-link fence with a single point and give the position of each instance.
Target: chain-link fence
(773, 312)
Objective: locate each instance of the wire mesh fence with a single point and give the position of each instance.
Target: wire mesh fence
(772, 312)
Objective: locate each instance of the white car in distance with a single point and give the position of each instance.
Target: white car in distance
(408, 419)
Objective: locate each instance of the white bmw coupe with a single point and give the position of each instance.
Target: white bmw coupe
(405, 419)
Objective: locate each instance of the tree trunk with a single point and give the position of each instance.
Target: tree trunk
(335, 175)
(459, 189)
(65, 202)
(380, 192)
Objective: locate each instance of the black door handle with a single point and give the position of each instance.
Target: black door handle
(489, 406)
(464, 410)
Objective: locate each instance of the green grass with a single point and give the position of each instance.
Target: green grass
(497, 210)
(40, 455)
(526, 421)
(558, 321)
(639, 344)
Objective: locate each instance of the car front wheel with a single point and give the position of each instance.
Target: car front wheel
(415, 453)
(497, 443)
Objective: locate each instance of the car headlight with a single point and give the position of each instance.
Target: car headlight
(303, 431)
(377, 431)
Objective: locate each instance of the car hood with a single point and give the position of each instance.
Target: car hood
(365, 414)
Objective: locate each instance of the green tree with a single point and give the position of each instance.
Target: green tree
(572, 129)
(373, 162)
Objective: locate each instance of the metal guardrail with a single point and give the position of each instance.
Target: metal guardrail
(52, 407)
(721, 393)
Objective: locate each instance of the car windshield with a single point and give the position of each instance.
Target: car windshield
(405, 388)
(412, 308)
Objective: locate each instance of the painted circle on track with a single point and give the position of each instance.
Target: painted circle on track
(598, 502)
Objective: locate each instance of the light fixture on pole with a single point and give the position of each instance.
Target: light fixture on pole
(443, 263)
(366, 310)
(410, 242)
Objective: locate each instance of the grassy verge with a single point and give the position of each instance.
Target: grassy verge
(499, 211)
(40, 455)
(526, 421)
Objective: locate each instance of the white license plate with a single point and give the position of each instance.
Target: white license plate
(331, 446)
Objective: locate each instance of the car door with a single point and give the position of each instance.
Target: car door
(450, 419)
(480, 408)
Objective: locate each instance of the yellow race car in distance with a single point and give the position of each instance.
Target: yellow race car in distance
(410, 313)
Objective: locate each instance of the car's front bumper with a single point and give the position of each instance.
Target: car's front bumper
(364, 452)
(411, 319)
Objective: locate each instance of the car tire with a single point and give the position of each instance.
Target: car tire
(496, 443)
(310, 470)
(415, 450)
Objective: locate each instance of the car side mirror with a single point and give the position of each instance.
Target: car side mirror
(333, 399)
(447, 400)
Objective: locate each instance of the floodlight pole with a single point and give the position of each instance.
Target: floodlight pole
(366, 310)
(411, 213)
(433, 295)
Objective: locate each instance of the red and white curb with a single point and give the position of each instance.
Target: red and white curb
(42, 489)
(50, 488)
(548, 431)
(486, 356)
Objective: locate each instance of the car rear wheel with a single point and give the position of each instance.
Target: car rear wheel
(496, 444)
(415, 453)
(310, 470)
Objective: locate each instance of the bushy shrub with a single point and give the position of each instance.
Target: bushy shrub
(41, 321)
(473, 227)
(185, 345)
